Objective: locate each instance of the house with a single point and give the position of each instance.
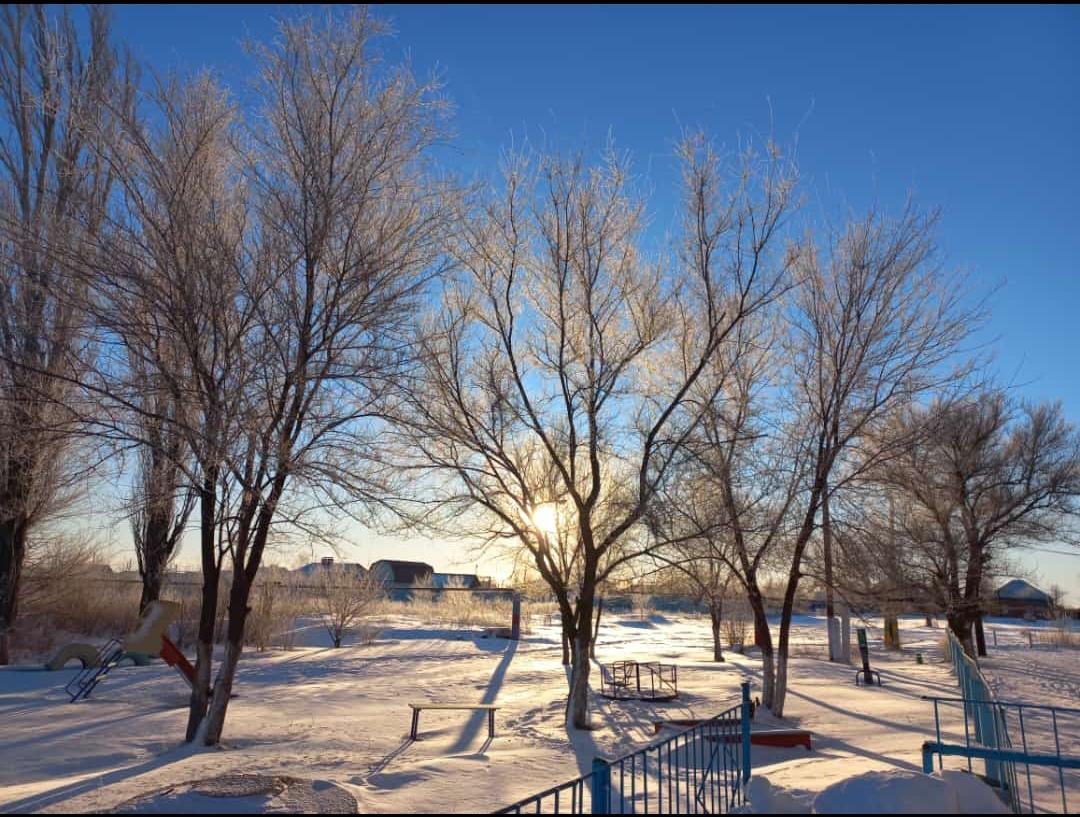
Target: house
(466, 580)
(400, 573)
(1020, 599)
(328, 563)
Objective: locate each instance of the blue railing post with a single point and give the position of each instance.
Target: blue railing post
(601, 786)
(745, 724)
(927, 758)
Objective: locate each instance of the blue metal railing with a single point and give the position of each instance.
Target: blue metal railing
(702, 770)
(989, 727)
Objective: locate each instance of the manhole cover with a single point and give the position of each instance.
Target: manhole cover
(245, 794)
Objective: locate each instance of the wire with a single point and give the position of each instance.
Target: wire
(1074, 553)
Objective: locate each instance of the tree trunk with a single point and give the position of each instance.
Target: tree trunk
(716, 612)
(567, 639)
(156, 552)
(578, 703)
(892, 632)
(961, 628)
(204, 648)
(12, 557)
(239, 594)
(763, 640)
(826, 543)
(596, 629)
(151, 586)
(980, 636)
(780, 691)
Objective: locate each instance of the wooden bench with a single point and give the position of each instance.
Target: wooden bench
(417, 708)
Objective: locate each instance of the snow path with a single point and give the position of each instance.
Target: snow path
(342, 715)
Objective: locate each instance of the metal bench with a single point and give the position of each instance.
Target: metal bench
(418, 708)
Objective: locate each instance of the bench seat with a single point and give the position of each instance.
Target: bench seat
(418, 708)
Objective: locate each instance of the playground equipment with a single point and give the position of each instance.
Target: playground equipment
(867, 674)
(148, 639)
(85, 654)
(642, 681)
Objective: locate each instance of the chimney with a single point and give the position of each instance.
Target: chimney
(328, 561)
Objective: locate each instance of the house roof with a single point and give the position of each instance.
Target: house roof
(311, 567)
(455, 580)
(1020, 590)
(405, 572)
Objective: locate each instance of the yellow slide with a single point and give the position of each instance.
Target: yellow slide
(153, 623)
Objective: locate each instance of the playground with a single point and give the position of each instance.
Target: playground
(343, 716)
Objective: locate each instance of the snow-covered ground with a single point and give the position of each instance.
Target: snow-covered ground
(342, 715)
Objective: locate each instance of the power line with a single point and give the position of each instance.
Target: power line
(1074, 553)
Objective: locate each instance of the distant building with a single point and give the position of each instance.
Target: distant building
(327, 563)
(1020, 599)
(467, 580)
(401, 573)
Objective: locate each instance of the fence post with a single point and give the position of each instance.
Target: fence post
(744, 722)
(927, 758)
(601, 786)
(515, 618)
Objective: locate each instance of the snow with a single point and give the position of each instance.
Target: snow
(879, 792)
(341, 716)
(245, 794)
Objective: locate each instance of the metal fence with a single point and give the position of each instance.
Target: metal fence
(702, 770)
(990, 727)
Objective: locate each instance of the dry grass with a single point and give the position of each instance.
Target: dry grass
(89, 605)
(1063, 633)
(458, 609)
(69, 595)
(86, 604)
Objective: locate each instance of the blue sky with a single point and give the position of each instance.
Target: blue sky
(975, 110)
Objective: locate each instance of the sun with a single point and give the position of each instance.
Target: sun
(545, 518)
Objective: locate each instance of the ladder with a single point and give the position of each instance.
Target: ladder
(90, 676)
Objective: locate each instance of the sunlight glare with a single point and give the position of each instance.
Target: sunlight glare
(545, 518)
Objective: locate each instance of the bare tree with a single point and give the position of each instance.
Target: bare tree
(349, 232)
(695, 570)
(1058, 600)
(553, 395)
(54, 95)
(177, 296)
(874, 328)
(729, 511)
(264, 278)
(162, 500)
(345, 599)
(985, 476)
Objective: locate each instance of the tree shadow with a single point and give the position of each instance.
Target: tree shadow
(478, 720)
(43, 800)
(827, 744)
